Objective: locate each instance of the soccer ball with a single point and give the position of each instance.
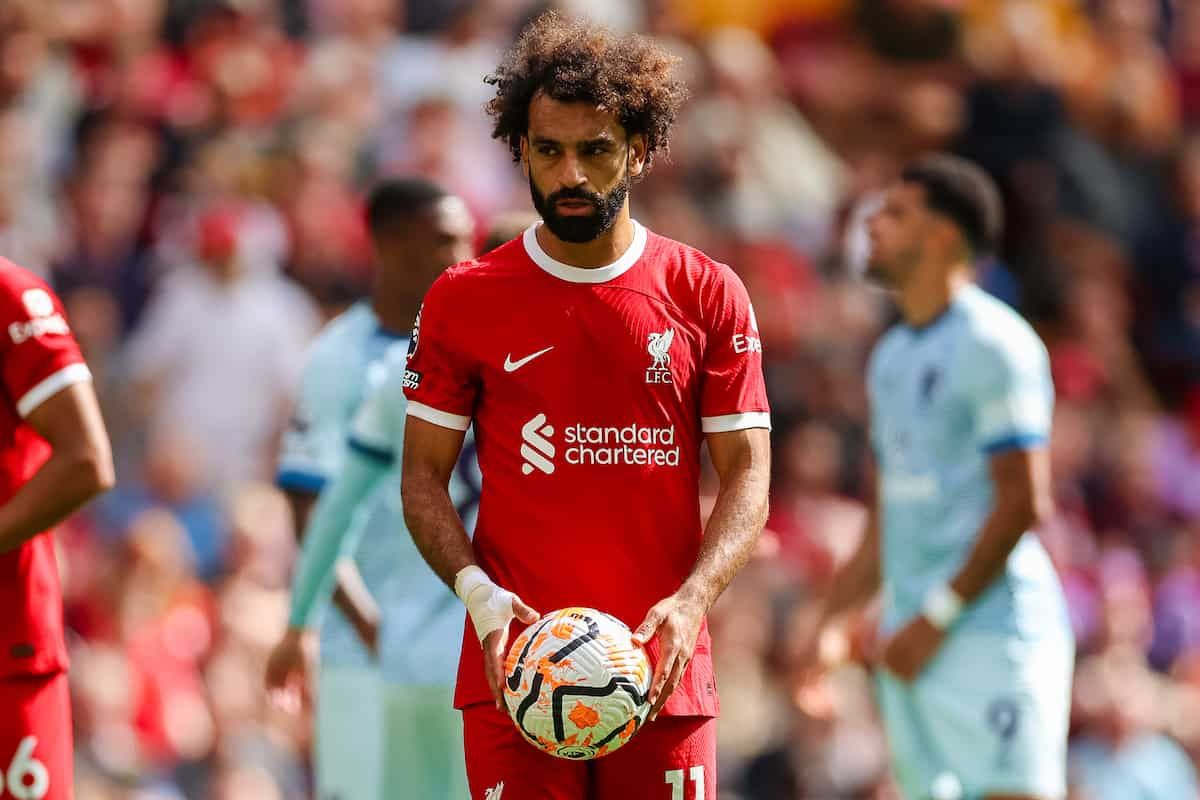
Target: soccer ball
(576, 685)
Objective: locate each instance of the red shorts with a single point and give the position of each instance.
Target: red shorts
(36, 752)
(672, 758)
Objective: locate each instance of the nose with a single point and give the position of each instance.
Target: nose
(572, 175)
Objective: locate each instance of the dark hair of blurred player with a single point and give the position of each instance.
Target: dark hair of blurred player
(943, 213)
(417, 230)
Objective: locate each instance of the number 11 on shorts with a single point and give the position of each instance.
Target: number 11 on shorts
(675, 779)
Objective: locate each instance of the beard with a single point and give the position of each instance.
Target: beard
(578, 230)
(878, 273)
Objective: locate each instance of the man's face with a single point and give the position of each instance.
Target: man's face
(898, 233)
(579, 161)
(438, 237)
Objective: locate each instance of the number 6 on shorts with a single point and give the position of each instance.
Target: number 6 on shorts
(675, 779)
(28, 778)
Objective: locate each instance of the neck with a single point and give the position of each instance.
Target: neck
(395, 308)
(599, 252)
(929, 293)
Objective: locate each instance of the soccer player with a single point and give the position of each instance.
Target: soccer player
(54, 457)
(976, 668)
(594, 359)
(384, 669)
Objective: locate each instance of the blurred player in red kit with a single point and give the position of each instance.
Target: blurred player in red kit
(594, 359)
(54, 457)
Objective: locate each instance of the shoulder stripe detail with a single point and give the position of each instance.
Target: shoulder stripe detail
(736, 422)
(445, 419)
(298, 480)
(371, 451)
(67, 376)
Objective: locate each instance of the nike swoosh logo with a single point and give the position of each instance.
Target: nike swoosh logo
(513, 366)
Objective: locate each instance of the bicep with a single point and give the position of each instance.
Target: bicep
(430, 451)
(1021, 477)
(70, 420)
(735, 452)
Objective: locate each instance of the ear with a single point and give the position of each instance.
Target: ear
(953, 240)
(525, 155)
(637, 154)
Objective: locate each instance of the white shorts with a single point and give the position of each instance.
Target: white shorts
(382, 741)
(989, 715)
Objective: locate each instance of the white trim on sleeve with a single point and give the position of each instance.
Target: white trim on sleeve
(48, 387)
(446, 420)
(736, 422)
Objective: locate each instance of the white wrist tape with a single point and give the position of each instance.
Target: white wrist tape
(490, 607)
(942, 606)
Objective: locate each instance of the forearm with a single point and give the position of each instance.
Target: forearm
(858, 579)
(330, 534)
(435, 526)
(736, 521)
(1000, 533)
(63, 484)
(351, 595)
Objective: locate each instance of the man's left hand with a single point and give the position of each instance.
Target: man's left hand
(908, 652)
(676, 622)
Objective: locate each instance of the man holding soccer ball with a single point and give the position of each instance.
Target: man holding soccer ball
(594, 358)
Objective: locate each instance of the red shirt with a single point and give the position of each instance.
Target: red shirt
(590, 391)
(38, 359)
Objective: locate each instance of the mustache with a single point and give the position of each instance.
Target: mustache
(574, 194)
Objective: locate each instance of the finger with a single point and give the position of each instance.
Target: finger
(669, 687)
(304, 697)
(278, 674)
(286, 700)
(524, 613)
(662, 671)
(494, 663)
(645, 632)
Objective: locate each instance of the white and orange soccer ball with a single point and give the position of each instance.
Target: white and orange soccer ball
(576, 685)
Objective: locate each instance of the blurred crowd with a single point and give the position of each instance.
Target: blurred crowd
(190, 174)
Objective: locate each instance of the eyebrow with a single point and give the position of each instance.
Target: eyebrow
(602, 139)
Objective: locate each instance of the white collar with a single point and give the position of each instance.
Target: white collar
(572, 274)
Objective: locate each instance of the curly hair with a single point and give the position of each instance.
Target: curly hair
(574, 61)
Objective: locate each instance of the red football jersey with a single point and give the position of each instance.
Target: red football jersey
(38, 358)
(590, 390)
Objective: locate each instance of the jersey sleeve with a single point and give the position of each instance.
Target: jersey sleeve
(1011, 393)
(733, 394)
(440, 381)
(311, 450)
(40, 354)
(377, 427)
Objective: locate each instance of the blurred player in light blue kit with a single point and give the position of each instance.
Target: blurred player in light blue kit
(977, 651)
(389, 649)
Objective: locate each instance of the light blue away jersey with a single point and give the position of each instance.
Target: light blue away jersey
(347, 360)
(422, 619)
(944, 398)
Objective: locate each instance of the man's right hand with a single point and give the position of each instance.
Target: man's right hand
(491, 609)
(495, 649)
(817, 648)
(290, 667)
